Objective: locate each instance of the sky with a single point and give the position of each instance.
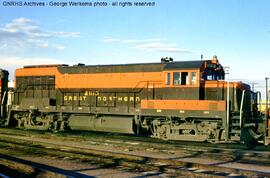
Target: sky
(237, 31)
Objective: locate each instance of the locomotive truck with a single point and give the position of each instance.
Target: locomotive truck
(185, 100)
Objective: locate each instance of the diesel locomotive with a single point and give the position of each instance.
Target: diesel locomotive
(185, 100)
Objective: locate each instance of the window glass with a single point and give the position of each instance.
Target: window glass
(209, 77)
(181, 78)
(176, 78)
(212, 74)
(193, 78)
(168, 79)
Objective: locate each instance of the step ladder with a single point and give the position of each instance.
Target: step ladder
(234, 127)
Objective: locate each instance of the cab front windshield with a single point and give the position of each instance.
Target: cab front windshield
(213, 72)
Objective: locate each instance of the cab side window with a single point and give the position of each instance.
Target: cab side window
(176, 78)
(193, 78)
(180, 78)
(168, 78)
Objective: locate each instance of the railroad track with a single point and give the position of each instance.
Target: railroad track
(106, 155)
(11, 166)
(122, 138)
(170, 147)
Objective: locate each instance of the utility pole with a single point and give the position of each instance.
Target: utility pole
(228, 103)
(266, 94)
(267, 125)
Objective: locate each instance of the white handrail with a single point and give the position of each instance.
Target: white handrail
(241, 107)
(2, 105)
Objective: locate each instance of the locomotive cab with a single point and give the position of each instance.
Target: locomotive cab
(212, 70)
(241, 120)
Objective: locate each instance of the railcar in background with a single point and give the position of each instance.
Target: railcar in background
(3, 92)
(185, 100)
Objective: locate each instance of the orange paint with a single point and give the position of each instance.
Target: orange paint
(132, 80)
(43, 71)
(111, 80)
(224, 84)
(201, 105)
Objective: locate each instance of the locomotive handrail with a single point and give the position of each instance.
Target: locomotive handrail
(241, 108)
(146, 84)
(259, 96)
(2, 104)
(4, 95)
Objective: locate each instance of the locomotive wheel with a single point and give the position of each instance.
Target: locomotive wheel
(21, 123)
(159, 130)
(162, 131)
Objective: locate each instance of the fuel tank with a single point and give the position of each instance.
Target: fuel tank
(118, 124)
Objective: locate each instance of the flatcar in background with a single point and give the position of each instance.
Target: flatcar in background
(185, 100)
